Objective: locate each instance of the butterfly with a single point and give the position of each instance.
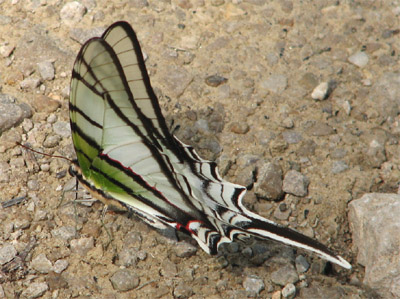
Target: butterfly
(127, 157)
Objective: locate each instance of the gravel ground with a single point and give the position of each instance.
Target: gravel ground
(307, 88)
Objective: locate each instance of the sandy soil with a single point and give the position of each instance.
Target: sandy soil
(273, 54)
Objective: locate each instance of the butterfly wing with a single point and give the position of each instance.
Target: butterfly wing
(126, 153)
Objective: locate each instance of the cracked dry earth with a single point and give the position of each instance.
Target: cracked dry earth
(235, 79)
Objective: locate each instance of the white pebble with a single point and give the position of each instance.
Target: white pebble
(347, 107)
(72, 13)
(359, 59)
(320, 92)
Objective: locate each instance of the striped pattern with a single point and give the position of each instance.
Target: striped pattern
(126, 155)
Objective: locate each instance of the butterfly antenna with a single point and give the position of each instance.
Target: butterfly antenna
(44, 154)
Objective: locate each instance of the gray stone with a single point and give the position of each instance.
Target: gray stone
(295, 183)
(62, 128)
(182, 291)
(292, 137)
(375, 227)
(138, 3)
(359, 59)
(275, 83)
(7, 253)
(215, 80)
(321, 129)
(269, 182)
(128, 257)
(72, 13)
(289, 291)
(283, 276)
(51, 141)
(81, 36)
(387, 90)
(30, 83)
(302, 264)
(60, 265)
(82, 246)
(176, 80)
(253, 285)
(89, 4)
(233, 247)
(12, 113)
(23, 221)
(46, 70)
(376, 154)
(42, 103)
(339, 166)
(133, 240)
(64, 232)
(282, 213)
(41, 264)
(184, 249)
(124, 280)
(35, 290)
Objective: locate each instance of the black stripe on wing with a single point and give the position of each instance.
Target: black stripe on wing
(84, 136)
(149, 89)
(75, 109)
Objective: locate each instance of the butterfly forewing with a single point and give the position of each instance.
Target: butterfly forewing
(126, 152)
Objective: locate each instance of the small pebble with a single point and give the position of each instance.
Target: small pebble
(292, 137)
(64, 232)
(240, 127)
(51, 141)
(282, 215)
(288, 123)
(359, 59)
(269, 182)
(276, 295)
(321, 92)
(35, 290)
(275, 83)
(41, 264)
(7, 253)
(295, 183)
(62, 128)
(128, 257)
(183, 290)
(289, 291)
(302, 264)
(6, 50)
(82, 246)
(253, 285)
(339, 166)
(283, 276)
(33, 185)
(346, 107)
(46, 70)
(124, 280)
(215, 80)
(30, 83)
(60, 265)
(72, 13)
(52, 118)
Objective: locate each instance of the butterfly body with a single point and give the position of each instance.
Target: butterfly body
(127, 157)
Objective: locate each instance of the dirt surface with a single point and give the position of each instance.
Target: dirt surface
(273, 54)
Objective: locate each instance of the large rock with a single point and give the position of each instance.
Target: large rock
(375, 222)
